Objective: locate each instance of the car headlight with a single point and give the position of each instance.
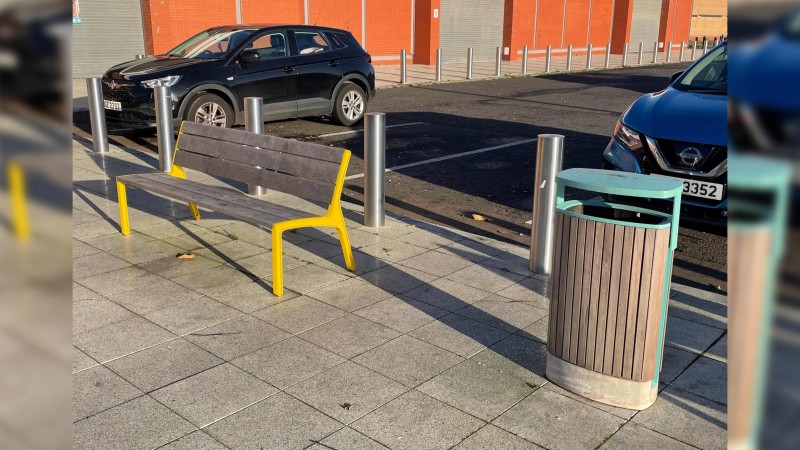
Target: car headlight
(158, 82)
(628, 136)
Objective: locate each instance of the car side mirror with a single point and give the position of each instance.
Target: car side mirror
(249, 56)
(675, 76)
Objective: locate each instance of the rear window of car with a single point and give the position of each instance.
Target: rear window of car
(336, 39)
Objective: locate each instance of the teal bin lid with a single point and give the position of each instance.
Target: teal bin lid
(620, 183)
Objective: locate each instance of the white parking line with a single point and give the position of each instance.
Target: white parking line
(359, 130)
(444, 158)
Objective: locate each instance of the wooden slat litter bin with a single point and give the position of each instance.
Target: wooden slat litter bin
(611, 272)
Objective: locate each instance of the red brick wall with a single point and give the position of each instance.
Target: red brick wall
(167, 24)
(389, 28)
(600, 28)
(518, 25)
(273, 11)
(676, 16)
(344, 14)
(577, 24)
(550, 26)
(621, 31)
(426, 33)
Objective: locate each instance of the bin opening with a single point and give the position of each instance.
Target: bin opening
(610, 212)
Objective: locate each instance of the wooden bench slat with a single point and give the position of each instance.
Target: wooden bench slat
(300, 166)
(307, 149)
(301, 187)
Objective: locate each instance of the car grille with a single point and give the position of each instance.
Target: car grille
(649, 165)
(122, 93)
(712, 155)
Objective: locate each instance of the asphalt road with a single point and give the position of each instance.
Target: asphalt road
(444, 120)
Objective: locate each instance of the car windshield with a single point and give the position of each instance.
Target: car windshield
(211, 44)
(709, 75)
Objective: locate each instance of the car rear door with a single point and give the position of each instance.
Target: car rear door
(318, 69)
(272, 78)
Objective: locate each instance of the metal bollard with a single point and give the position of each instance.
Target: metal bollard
(470, 61)
(548, 59)
(254, 122)
(549, 154)
(569, 57)
(97, 115)
(625, 55)
(438, 64)
(589, 57)
(705, 47)
(680, 57)
(694, 49)
(403, 68)
(498, 70)
(140, 56)
(165, 130)
(525, 60)
(669, 51)
(641, 53)
(655, 52)
(608, 56)
(374, 169)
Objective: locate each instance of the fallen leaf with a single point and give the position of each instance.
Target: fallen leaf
(388, 250)
(479, 218)
(346, 406)
(186, 255)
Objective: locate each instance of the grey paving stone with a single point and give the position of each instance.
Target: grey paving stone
(349, 439)
(432, 239)
(690, 336)
(349, 335)
(510, 262)
(312, 250)
(675, 362)
(470, 249)
(142, 423)
(702, 294)
(97, 263)
(230, 251)
(121, 338)
(92, 314)
(347, 391)
(436, 263)
(392, 229)
(81, 293)
(401, 313)
(171, 267)
(632, 435)
(719, 351)
(298, 314)
(477, 389)
(213, 279)
(351, 294)
(163, 364)
(398, 279)
(310, 278)
(81, 361)
(94, 228)
(485, 278)
(81, 249)
(460, 335)
(360, 238)
(364, 264)
(249, 297)
(153, 296)
(278, 422)
(447, 294)
(194, 441)
(558, 422)
(392, 250)
(120, 280)
(530, 290)
(193, 315)
(616, 411)
(246, 232)
(700, 310)
(261, 265)
(416, 421)
(503, 313)
(118, 243)
(537, 330)
(213, 394)
(97, 389)
(288, 362)
(687, 417)
(707, 378)
(516, 356)
(408, 360)
(490, 438)
(147, 251)
(236, 337)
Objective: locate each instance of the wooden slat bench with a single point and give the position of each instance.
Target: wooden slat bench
(310, 171)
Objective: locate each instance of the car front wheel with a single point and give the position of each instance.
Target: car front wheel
(351, 104)
(210, 109)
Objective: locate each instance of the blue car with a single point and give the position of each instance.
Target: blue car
(682, 132)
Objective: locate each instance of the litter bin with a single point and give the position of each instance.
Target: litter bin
(610, 286)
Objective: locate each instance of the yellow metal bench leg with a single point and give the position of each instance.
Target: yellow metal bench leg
(19, 210)
(277, 260)
(122, 198)
(347, 250)
(195, 211)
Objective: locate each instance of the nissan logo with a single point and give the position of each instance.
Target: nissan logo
(111, 84)
(690, 156)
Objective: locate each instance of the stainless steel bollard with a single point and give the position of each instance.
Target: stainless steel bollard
(641, 53)
(470, 61)
(438, 64)
(669, 51)
(608, 56)
(548, 59)
(549, 155)
(374, 169)
(525, 60)
(97, 115)
(705, 47)
(498, 69)
(403, 68)
(254, 122)
(140, 56)
(625, 55)
(569, 57)
(680, 57)
(655, 52)
(165, 129)
(694, 50)
(589, 56)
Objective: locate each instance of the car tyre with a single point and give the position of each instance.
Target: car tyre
(350, 105)
(210, 109)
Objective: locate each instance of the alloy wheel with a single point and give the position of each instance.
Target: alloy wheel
(353, 105)
(211, 114)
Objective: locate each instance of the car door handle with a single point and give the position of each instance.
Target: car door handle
(288, 69)
(333, 63)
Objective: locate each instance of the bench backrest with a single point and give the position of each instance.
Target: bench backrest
(303, 169)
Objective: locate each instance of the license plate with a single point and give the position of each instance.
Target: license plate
(115, 106)
(702, 189)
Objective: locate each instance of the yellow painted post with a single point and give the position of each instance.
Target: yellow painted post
(122, 199)
(19, 210)
(277, 260)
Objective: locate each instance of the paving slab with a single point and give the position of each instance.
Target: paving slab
(530, 290)
(537, 330)
(81, 361)
(675, 362)
(121, 338)
(127, 278)
(194, 441)
(516, 356)
(249, 297)
(691, 336)
(402, 314)
(310, 277)
(485, 278)
(349, 439)
(490, 438)
(460, 335)
(93, 314)
(707, 378)
(80, 292)
(349, 335)
(416, 421)
(447, 294)
(192, 315)
(153, 296)
(719, 351)
(351, 294)
(236, 337)
(436, 263)
(298, 314)
(98, 389)
(98, 263)
(398, 279)
(408, 360)
(501, 312)
(632, 435)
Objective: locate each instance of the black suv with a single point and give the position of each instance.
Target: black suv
(298, 70)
